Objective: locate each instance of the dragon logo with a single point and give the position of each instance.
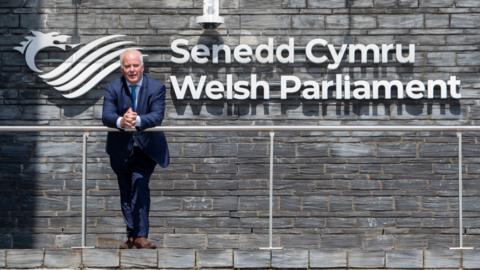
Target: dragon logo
(80, 72)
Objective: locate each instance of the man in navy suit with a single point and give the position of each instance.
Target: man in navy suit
(135, 101)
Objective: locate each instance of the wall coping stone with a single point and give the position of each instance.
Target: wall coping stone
(243, 258)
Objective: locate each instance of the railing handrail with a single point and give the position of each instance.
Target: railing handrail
(243, 128)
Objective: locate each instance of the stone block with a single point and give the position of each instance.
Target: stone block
(338, 203)
(97, 258)
(385, 3)
(185, 241)
(224, 150)
(10, 112)
(442, 59)
(467, 3)
(328, 259)
(138, 258)
(437, 3)
(251, 259)
(404, 259)
(300, 241)
(363, 21)
(33, 240)
(378, 242)
(214, 258)
(373, 203)
(294, 3)
(24, 258)
(308, 21)
(326, 4)
(337, 22)
(9, 20)
(223, 241)
(309, 150)
(408, 3)
(468, 59)
(3, 261)
(366, 259)
(168, 21)
(465, 21)
(352, 150)
(266, 21)
(165, 203)
(260, 4)
(442, 258)
(471, 259)
(400, 21)
(315, 203)
(176, 258)
(437, 20)
(63, 258)
(197, 203)
(290, 258)
(49, 149)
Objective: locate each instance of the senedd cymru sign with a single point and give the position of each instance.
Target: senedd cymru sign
(95, 60)
(341, 88)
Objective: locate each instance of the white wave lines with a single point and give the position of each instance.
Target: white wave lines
(86, 67)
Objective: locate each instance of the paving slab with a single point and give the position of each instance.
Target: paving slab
(101, 257)
(328, 259)
(290, 258)
(471, 259)
(176, 258)
(366, 259)
(442, 258)
(215, 258)
(404, 259)
(63, 258)
(251, 259)
(24, 258)
(138, 258)
(2, 258)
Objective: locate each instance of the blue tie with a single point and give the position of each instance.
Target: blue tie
(133, 92)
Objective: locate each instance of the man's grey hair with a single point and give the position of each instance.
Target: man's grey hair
(122, 55)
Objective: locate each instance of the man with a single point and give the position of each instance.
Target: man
(135, 101)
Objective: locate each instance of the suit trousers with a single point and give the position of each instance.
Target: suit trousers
(133, 180)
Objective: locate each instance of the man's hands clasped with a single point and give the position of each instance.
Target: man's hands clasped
(129, 119)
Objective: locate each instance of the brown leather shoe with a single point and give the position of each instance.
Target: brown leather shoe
(128, 244)
(142, 242)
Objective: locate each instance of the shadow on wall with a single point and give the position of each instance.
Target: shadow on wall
(35, 209)
(18, 177)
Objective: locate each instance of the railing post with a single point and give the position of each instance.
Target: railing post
(460, 194)
(84, 191)
(270, 198)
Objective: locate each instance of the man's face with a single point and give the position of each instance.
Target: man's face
(132, 68)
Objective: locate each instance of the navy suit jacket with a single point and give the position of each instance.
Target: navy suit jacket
(150, 108)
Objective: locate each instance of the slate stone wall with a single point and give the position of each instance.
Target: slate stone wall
(354, 190)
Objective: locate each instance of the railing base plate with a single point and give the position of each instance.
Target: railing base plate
(462, 248)
(270, 248)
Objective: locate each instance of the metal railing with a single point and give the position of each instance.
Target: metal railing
(271, 129)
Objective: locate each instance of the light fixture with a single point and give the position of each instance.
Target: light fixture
(211, 18)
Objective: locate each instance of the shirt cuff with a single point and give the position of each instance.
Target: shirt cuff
(119, 120)
(138, 121)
